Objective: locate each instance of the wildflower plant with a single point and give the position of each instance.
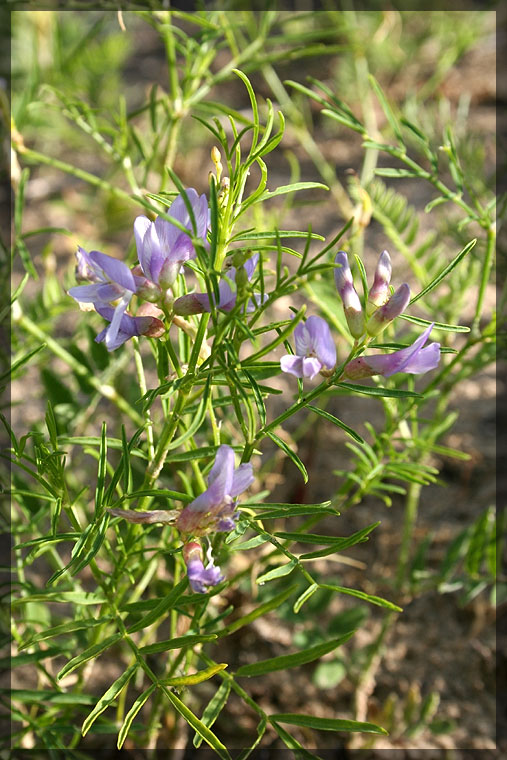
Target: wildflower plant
(145, 492)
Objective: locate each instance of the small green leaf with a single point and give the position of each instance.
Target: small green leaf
(177, 643)
(63, 597)
(395, 173)
(214, 708)
(277, 572)
(88, 654)
(199, 677)
(283, 189)
(438, 279)
(142, 698)
(165, 604)
(291, 454)
(302, 598)
(43, 696)
(292, 660)
(391, 118)
(436, 325)
(326, 724)
(337, 422)
(198, 726)
(373, 390)
(108, 698)
(361, 595)
(59, 630)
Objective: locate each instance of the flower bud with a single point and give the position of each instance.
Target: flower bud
(168, 273)
(379, 291)
(241, 278)
(186, 305)
(149, 310)
(389, 311)
(351, 303)
(357, 369)
(151, 327)
(148, 291)
(85, 271)
(191, 551)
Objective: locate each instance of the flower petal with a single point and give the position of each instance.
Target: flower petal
(292, 364)
(302, 339)
(322, 342)
(242, 478)
(311, 366)
(116, 271)
(141, 226)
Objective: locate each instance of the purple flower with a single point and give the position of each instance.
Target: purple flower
(128, 327)
(315, 349)
(214, 510)
(196, 303)
(379, 291)
(414, 359)
(351, 303)
(385, 314)
(162, 247)
(200, 577)
(111, 281)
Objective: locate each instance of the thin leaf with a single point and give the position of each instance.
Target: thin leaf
(326, 724)
(277, 572)
(198, 726)
(140, 701)
(108, 698)
(89, 654)
(199, 677)
(456, 260)
(291, 454)
(293, 660)
(361, 595)
(371, 390)
(177, 643)
(214, 708)
(337, 422)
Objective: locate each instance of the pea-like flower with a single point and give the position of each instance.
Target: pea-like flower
(128, 327)
(162, 247)
(315, 349)
(200, 577)
(111, 281)
(415, 360)
(197, 303)
(347, 292)
(214, 510)
(379, 291)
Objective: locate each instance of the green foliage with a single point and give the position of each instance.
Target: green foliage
(141, 427)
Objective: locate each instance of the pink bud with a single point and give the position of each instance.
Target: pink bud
(389, 311)
(379, 291)
(151, 327)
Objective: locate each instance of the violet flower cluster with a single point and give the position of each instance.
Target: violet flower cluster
(213, 511)
(315, 351)
(162, 248)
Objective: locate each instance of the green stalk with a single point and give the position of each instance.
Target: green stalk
(486, 269)
(142, 387)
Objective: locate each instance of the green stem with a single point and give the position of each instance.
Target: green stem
(486, 269)
(410, 518)
(148, 426)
